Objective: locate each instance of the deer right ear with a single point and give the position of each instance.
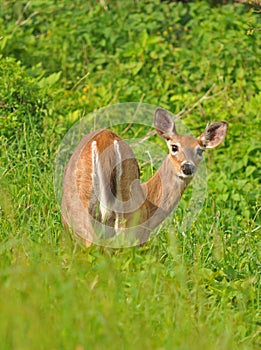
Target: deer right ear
(164, 124)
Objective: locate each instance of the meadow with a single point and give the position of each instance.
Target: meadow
(60, 61)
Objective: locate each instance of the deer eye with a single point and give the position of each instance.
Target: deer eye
(174, 148)
(200, 151)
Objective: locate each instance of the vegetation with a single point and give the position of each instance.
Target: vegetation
(60, 60)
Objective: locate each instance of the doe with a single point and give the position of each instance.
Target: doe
(102, 192)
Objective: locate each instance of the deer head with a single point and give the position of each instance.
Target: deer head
(186, 151)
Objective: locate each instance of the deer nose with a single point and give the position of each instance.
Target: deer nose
(188, 168)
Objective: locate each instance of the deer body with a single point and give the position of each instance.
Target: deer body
(102, 186)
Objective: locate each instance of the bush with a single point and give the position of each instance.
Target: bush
(22, 101)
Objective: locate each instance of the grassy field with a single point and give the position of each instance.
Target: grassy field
(59, 61)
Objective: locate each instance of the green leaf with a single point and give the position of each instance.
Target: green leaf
(49, 81)
(249, 170)
(137, 68)
(143, 38)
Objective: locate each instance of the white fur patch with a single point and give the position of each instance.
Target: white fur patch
(118, 168)
(119, 215)
(98, 180)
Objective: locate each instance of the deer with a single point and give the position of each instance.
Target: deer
(103, 196)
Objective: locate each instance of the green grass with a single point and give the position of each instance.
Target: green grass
(198, 291)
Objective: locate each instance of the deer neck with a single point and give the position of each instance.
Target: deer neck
(165, 188)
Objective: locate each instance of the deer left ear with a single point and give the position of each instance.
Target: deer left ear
(214, 134)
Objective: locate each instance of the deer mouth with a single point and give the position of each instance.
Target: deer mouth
(184, 176)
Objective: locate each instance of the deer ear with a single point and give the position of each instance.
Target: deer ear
(214, 134)
(164, 124)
